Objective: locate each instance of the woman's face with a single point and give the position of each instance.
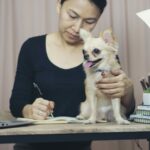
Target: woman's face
(76, 14)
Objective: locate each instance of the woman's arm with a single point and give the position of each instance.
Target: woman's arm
(22, 93)
(128, 100)
(24, 101)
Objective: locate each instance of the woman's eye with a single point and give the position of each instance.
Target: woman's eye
(72, 16)
(90, 22)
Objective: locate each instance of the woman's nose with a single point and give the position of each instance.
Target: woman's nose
(77, 25)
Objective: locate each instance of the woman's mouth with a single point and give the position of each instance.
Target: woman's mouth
(72, 36)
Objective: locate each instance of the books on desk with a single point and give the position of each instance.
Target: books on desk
(143, 110)
(141, 115)
(54, 120)
(140, 118)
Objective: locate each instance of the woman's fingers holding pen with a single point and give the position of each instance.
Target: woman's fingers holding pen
(51, 107)
(41, 108)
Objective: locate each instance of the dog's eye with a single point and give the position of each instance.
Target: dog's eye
(84, 52)
(96, 51)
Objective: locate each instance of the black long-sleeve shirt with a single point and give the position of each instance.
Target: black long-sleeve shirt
(63, 86)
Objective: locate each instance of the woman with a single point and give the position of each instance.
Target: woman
(50, 77)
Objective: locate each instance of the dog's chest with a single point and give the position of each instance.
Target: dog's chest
(92, 78)
(91, 86)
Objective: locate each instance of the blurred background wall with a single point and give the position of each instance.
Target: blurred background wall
(21, 19)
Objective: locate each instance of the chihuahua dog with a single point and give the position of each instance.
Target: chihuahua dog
(99, 59)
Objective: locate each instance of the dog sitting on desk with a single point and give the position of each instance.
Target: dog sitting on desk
(99, 58)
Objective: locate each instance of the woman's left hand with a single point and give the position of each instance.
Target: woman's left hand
(114, 86)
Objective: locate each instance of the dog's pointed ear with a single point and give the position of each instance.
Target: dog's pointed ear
(85, 34)
(109, 38)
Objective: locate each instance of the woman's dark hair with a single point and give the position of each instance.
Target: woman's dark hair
(101, 4)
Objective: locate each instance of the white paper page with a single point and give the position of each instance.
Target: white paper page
(145, 16)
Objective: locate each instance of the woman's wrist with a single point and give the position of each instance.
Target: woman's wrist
(27, 111)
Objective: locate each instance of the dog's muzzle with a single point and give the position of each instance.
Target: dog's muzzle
(89, 64)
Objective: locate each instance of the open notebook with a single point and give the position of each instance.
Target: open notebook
(54, 120)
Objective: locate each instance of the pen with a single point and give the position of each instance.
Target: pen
(41, 94)
(38, 89)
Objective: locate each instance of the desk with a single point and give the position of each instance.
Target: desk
(74, 132)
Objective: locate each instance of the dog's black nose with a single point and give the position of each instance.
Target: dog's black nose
(86, 57)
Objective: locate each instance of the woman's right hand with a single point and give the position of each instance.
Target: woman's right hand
(40, 109)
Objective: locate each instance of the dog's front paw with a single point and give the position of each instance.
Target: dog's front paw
(101, 121)
(122, 121)
(80, 117)
(90, 121)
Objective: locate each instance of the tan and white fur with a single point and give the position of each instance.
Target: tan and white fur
(100, 58)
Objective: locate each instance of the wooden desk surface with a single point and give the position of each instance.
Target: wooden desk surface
(74, 128)
(74, 132)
